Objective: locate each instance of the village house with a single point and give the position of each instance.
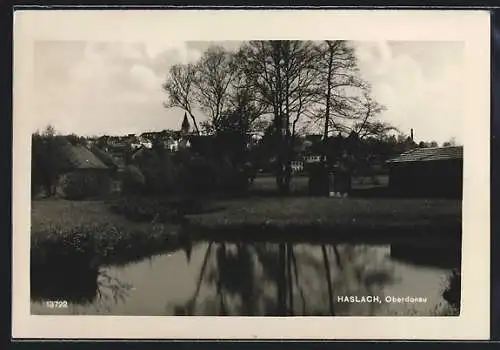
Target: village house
(83, 173)
(170, 139)
(297, 166)
(141, 142)
(90, 141)
(434, 172)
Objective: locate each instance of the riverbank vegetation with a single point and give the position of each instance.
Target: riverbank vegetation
(134, 226)
(356, 218)
(88, 232)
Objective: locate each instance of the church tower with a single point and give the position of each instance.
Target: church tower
(184, 131)
(185, 125)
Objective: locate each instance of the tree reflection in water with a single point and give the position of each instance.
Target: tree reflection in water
(262, 279)
(109, 292)
(82, 287)
(111, 289)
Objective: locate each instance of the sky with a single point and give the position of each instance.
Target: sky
(93, 88)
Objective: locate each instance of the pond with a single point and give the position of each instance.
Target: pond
(260, 279)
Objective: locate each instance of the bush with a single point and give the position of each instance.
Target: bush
(145, 209)
(186, 174)
(452, 293)
(133, 181)
(318, 180)
(238, 180)
(158, 170)
(81, 185)
(199, 175)
(93, 245)
(196, 176)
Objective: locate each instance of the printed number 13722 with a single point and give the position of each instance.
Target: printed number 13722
(56, 304)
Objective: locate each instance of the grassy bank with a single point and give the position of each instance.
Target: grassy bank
(266, 184)
(338, 219)
(79, 233)
(99, 233)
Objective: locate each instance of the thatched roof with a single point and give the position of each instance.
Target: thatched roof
(76, 156)
(105, 157)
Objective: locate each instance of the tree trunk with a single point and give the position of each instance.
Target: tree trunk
(195, 124)
(48, 189)
(288, 143)
(327, 118)
(279, 160)
(281, 178)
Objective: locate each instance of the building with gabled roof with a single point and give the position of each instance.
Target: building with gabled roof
(83, 173)
(429, 154)
(79, 157)
(431, 172)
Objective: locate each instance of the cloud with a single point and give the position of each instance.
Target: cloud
(107, 87)
(180, 49)
(145, 77)
(419, 83)
(104, 87)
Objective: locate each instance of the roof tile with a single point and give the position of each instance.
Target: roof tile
(429, 154)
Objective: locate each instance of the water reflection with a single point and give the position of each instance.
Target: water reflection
(427, 256)
(111, 288)
(52, 282)
(255, 279)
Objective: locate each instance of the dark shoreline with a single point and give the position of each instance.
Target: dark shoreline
(418, 223)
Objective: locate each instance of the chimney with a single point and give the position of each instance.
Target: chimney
(411, 134)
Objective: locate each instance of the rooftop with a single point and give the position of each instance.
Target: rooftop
(80, 157)
(429, 154)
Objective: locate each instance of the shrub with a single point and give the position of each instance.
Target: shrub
(80, 185)
(201, 175)
(189, 174)
(196, 176)
(452, 293)
(145, 209)
(94, 245)
(238, 180)
(318, 180)
(159, 171)
(133, 181)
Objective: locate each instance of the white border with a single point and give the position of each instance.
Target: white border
(472, 27)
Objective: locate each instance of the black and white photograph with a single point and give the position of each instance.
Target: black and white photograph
(267, 177)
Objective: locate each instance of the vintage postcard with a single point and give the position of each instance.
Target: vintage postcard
(251, 174)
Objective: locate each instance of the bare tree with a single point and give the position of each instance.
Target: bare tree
(180, 89)
(241, 108)
(245, 101)
(368, 124)
(261, 63)
(278, 71)
(215, 86)
(339, 87)
(214, 74)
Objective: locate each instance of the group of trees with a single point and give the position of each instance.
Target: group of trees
(280, 87)
(46, 165)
